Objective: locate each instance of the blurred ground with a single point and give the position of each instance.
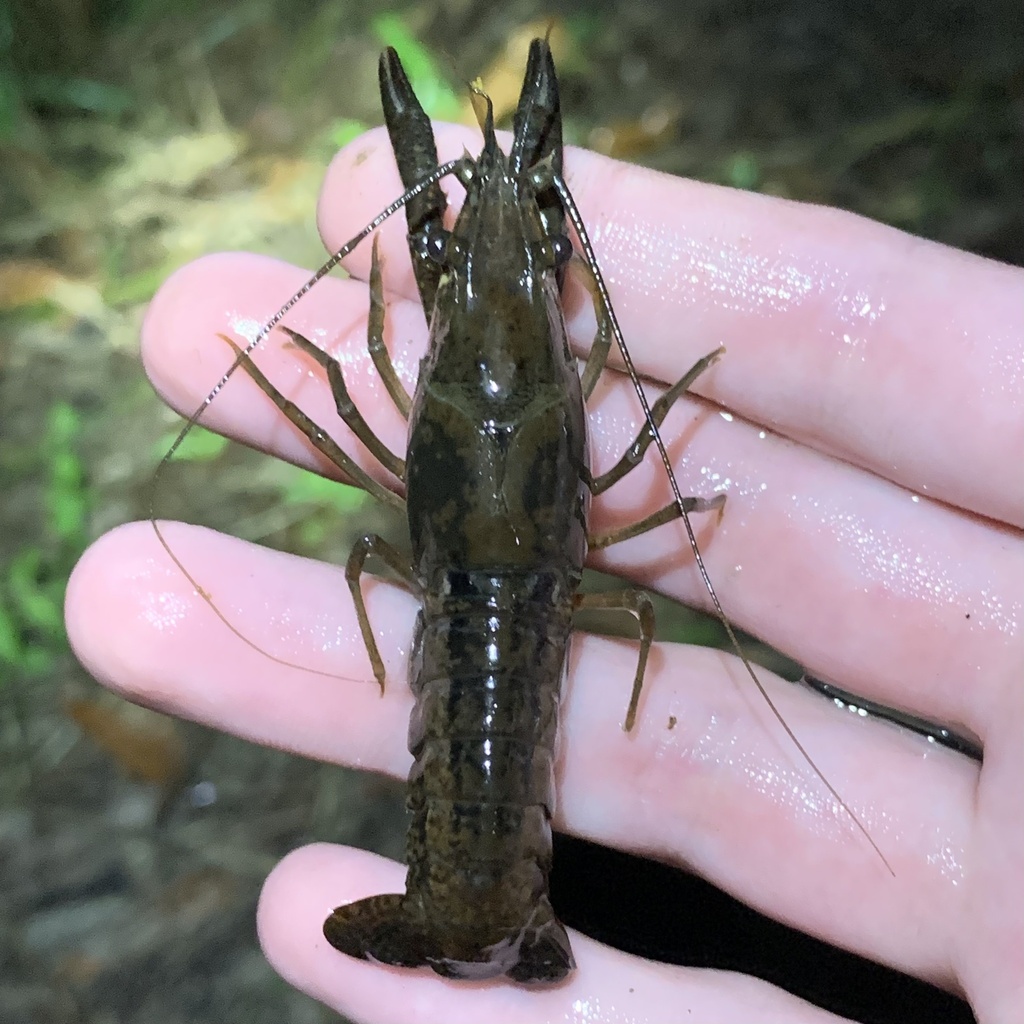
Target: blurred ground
(138, 134)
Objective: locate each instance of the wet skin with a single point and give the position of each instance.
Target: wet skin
(917, 603)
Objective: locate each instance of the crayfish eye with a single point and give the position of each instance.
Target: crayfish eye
(435, 244)
(561, 249)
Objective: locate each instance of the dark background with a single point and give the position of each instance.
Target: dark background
(138, 134)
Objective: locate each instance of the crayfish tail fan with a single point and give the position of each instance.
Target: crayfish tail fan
(545, 955)
(379, 928)
(392, 929)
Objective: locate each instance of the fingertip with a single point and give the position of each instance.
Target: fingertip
(360, 181)
(233, 296)
(297, 897)
(101, 603)
(135, 621)
(197, 300)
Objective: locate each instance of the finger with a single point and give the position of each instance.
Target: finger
(900, 355)
(811, 555)
(233, 294)
(307, 884)
(894, 597)
(990, 958)
(705, 780)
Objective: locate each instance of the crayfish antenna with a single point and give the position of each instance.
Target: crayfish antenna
(576, 219)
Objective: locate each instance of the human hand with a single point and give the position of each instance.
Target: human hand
(895, 368)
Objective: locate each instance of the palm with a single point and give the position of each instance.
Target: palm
(892, 363)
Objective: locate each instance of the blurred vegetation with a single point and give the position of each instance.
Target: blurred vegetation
(136, 135)
(32, 598)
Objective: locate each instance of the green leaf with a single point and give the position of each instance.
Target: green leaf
(63, 424)
(10, 638)
(32, 603)
(311, 51)
(200, 445)
(69, 516)
(434, 93)
(67, 503)
(304, 488)
(312, 534)
(689, 627)
(131, 289)
(743, 171)
(37, 661)
(344, 130)
(80, 94)
(37, 311)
